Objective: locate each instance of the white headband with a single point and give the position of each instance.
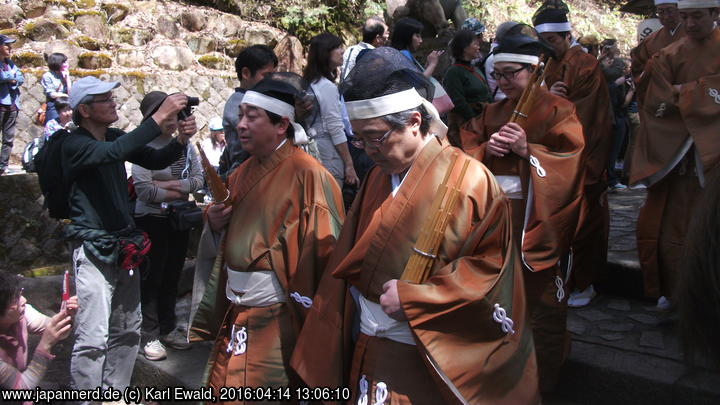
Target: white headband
(278, 107)
(391, 104)
(553, 27)
(659, 2)
(516, 58)
(686, 4)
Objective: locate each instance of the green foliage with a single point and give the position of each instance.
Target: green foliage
(373, 8)
(305, 23)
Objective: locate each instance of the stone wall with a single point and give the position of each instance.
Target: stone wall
(146, 45)
(212, 91)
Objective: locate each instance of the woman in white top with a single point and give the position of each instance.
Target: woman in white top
(55, 83)
(158, 287)
(215, 144)
(325, 123)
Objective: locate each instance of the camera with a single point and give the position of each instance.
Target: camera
(188, 110)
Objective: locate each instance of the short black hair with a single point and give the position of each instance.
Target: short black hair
(403, 32)
(254, 58)
(460, 41)
(55, 61)
(373, 28)
(9, 290)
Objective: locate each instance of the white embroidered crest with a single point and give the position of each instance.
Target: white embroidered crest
(714, 94)
(661, 110)
(363, 397)
(238, 338)
(301, 299)
(534, 162)
(500, 316)
(381, 393)
(560, 294)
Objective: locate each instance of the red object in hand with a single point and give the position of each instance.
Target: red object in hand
(65, 290)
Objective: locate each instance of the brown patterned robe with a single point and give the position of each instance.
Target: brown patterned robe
(588, 90)
(677, 145)
(287, 214)
(644, 51)
(544, 220)
(461, 355)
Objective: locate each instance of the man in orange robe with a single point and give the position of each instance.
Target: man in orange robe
(671, 31)
(278, 234)
(459, 336)
(678, 143)
(537, 161)
(577, 76)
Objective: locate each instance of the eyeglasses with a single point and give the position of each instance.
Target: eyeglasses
(507, 75)
(375, 143)
(105, 100)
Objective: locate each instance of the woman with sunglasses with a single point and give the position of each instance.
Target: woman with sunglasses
(158, 287)
(17, 319)
(538, 164)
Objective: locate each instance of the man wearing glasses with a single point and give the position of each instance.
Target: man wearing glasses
(107, 246)
(539, 166)
(576, 76)
(436, 340)
(671, 31)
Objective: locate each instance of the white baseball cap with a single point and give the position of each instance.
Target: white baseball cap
(215, 124)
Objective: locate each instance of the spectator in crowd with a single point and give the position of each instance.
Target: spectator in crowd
(576, 76)
(17, 319)
(611, 63)
(464, 83)
(10, 81)
(107, 247)
(324, 124)
(251, 66)
(591, 44)
(478, 29)
(407, 38)
(374, 34)
(158, 286)
(62, 121)
(214, 145)
(621, 91)
(502, 30)
(633, 121)
(55, 83)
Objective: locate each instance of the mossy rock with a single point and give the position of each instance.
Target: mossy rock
(13, 32)
(116, 12)
(69, 4)
(233, 47)
(88, 43)
(81, 13)
(87, 72)
(28, 59)
(84, 4)
(44, 29)
(215, 61)
(132, 36)
(65, 23)
(94, 60)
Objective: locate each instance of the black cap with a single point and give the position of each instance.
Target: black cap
(151, 102)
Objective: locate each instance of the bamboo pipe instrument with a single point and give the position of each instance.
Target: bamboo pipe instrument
(425, 251)
(220, 193)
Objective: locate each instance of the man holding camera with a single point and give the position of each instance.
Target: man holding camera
(107, 246)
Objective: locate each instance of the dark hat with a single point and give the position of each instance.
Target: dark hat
(520, 49)
(151, 102)
(551, 20)
(4, 39)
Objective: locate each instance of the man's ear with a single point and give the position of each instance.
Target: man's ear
(84, 110)
(245, 73)
(283, 125)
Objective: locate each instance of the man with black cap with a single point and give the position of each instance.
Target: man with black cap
(107, 246)
(457, 335)
(671, 31)
(10, 81)
(576, 76)
(277, 231)
(539, 166)
(678, 144)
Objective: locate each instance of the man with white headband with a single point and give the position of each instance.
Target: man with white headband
(459, 336)
(671, 31)
(539, 166)
(677, 144)
(285, 214)
(577, 76)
